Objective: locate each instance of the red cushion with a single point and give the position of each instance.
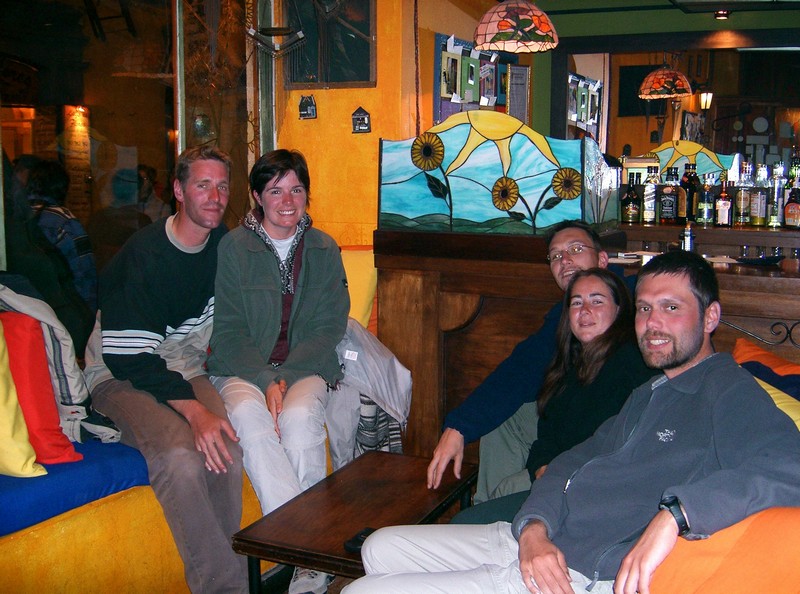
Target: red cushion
(27, 359)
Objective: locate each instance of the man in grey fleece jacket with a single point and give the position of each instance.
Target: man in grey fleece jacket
(690, 453)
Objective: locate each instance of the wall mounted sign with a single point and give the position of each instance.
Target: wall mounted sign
(361, 122)
(308, 107)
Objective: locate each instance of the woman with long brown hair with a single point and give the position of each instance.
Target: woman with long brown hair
(596, 366)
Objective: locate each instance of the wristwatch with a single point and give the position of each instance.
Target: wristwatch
(673, 506)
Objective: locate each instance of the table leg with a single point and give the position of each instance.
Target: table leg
(466, 498)
(254, 574)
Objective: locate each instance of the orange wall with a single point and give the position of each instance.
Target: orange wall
(344, 166)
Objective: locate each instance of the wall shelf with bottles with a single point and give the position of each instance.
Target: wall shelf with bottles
(713, 241)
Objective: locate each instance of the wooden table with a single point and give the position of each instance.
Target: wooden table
(377, 489)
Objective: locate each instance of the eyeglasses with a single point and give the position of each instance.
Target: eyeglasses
(572, 250)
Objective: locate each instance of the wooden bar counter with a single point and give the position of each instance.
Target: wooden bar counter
(452, 306)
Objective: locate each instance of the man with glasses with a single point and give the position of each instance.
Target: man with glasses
(501, 411)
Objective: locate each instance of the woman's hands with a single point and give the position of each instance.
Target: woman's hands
(274, 395)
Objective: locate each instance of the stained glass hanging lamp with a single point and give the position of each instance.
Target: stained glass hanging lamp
(515, 26)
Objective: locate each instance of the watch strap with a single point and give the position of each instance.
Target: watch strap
(673, 506)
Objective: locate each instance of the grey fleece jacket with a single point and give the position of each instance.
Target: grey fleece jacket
(711, 436)
(247, 312)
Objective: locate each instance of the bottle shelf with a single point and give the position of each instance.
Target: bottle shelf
(713, 241)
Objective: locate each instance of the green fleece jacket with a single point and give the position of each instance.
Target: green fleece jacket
(247, 311)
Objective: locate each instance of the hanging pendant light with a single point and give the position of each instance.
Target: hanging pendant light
(665, 83)
(515, 26)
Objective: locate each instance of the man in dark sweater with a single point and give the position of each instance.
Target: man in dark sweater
(501, 411)
(145, 370)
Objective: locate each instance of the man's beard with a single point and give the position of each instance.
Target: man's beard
(679, 356)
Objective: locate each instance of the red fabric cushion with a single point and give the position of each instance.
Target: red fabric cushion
(27, 359)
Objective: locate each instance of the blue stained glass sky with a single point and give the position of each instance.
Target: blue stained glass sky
(404, 188)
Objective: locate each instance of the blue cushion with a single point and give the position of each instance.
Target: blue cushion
(790, 384)
(106, 468)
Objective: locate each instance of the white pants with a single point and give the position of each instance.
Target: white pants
(457, 558)
(281, 468)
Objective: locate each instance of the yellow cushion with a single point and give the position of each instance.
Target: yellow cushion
(783, 401)
(362, 280)
(17, 457)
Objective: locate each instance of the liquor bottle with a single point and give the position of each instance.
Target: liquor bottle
(775, 197)
(794, 167)
(744, 187)
(631, 203)
(668, 197)
(791, 210)
(687, 238)
(705, 202)
(685, 195)
(723, 214)
(758, 197)
(649, 202)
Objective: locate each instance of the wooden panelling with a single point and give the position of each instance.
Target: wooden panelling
(451, 320)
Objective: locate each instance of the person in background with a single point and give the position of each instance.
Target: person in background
(48, 183)
(110, 227)
(697, 449)
(145, 369)
(22, 168)
(596, 367)
(281, 308)
(151, 194)
(501, 411)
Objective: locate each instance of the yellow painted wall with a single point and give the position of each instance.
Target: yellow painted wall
(344, 166)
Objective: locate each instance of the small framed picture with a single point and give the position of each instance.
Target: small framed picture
(470, 80)
(451, 75)
(488, 79)
(502, 83)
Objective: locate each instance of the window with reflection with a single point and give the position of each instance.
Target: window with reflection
(329, 43)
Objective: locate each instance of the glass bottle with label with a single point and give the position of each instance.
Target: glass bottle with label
(741, 214)
(705, 202)
(649, 192)
(775, 196)
(686, 196)
(791, 210)
(687, 238)
(794, 169)
(758, 197)
(668, 197)
(631, 203)
(723, 215)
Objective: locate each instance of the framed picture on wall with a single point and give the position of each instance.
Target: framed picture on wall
(572, 98)
(502, 83)
(692, 126)
(470, 79)
(583, 103)
(518, 93)
(451, 75)
(488, 79)
(594, 107)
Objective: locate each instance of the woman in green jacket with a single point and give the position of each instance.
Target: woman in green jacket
(281, 307)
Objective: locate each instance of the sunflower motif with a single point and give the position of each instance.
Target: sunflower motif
(567, 183)
(427, 151)
(505, 193)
